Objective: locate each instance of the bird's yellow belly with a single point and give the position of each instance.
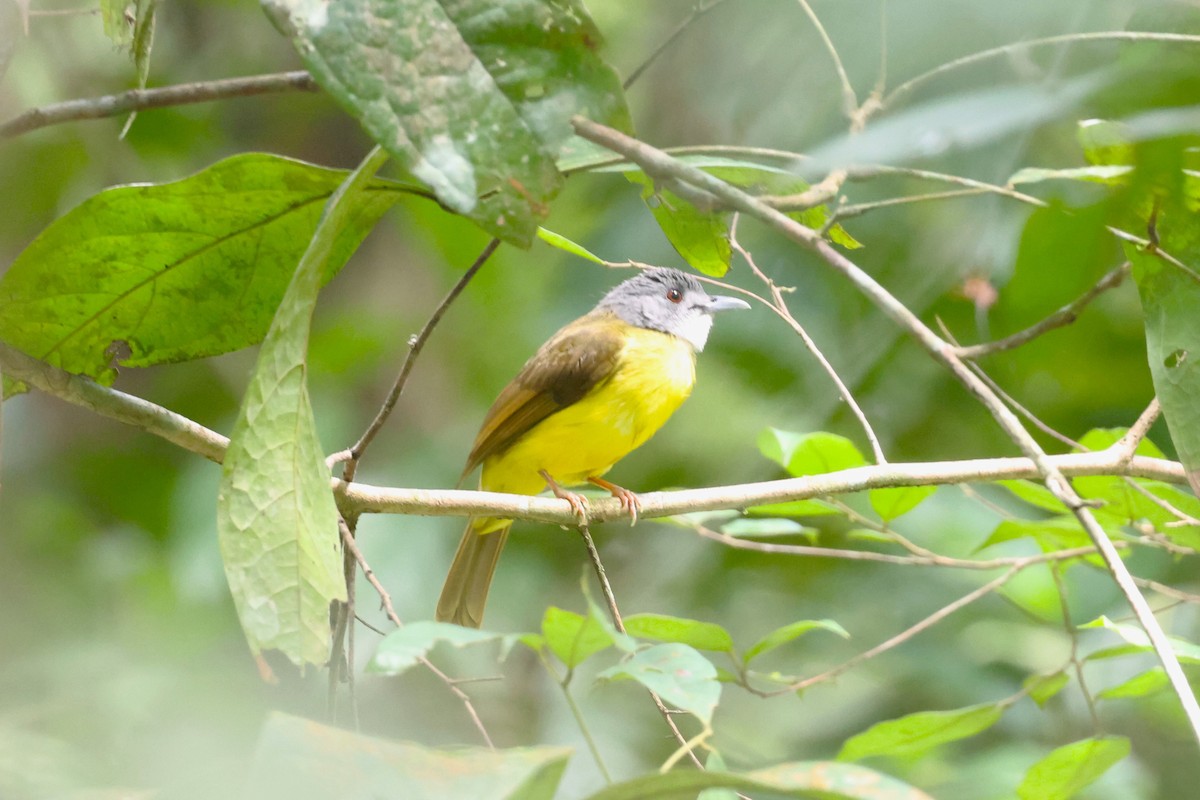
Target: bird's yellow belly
(654, 375)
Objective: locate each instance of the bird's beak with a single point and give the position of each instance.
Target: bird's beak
(716, 304)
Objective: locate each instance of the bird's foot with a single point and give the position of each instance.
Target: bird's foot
(630, 502)
(579, 503)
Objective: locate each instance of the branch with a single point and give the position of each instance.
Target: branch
(780, 307)
(1064, 316)
(697, 12)
(657, 163)
(849, 99)
(113, 105)
(906, 634)
(983, 55)
(415, 345)
(361, 498)
(82, 391)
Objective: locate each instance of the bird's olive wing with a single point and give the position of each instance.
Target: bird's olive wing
(575, 360)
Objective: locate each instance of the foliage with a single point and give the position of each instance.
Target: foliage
(984, 188)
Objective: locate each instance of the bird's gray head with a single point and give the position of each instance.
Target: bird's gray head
(670, 301)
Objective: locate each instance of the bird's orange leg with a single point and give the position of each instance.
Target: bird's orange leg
(629, 501)
(579, 503)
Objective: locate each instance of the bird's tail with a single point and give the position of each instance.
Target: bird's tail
(465, 591)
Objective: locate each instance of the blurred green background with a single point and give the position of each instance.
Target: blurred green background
(121, 661)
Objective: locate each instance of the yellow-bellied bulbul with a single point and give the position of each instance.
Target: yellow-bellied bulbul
(599, 388)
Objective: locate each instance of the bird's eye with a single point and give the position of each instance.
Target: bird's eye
(674, 295)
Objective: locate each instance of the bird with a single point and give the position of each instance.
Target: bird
(599, 388)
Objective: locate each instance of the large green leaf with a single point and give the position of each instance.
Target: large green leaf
(149, 274)
(304, 760)
(277, 522)
(820, 780)
(473, 97)
(1070, 768)
(1167, 194)
(916, 733)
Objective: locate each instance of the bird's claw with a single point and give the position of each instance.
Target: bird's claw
(630, 502)
(578, 503)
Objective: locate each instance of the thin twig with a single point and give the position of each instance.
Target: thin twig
(1010, 400)
(1073, 636)
(856, 209)
(929, 560)
(386, 600)
(983, 55)
(849, 98)
(657, 163)
(871, 171)
(1060, 318)
(1127, 445)
(113, 105)
(906, 634)
(781, 307)
(815, 195)
(341, 660)
(611, 601)
(415, 345)
(696, 14)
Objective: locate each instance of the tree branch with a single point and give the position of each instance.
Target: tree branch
(365, 498)
(112, 105)
(1064, 316)
(82, 391)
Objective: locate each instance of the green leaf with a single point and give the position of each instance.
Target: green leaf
(572, 637)
(1170, 295)
(406, 646)
(715, 763)
(1105, 142)
(474, 98)
(794, 508)
(130, 26)
(789, 632)
(1070, 768)
(1055, 533)
(771, 526)
(563, 243)
(916, 733)
(896, 502)
(1104, 438)
(676, 673)
(700, 635)
(1036, 495)
(1043, 687)
(175, 271)
(304, 760)
(277, 523)
(809, 453)
(1145, 683)
(825, 780)
(1095, 174)
(701, 238)
(1139, 642)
